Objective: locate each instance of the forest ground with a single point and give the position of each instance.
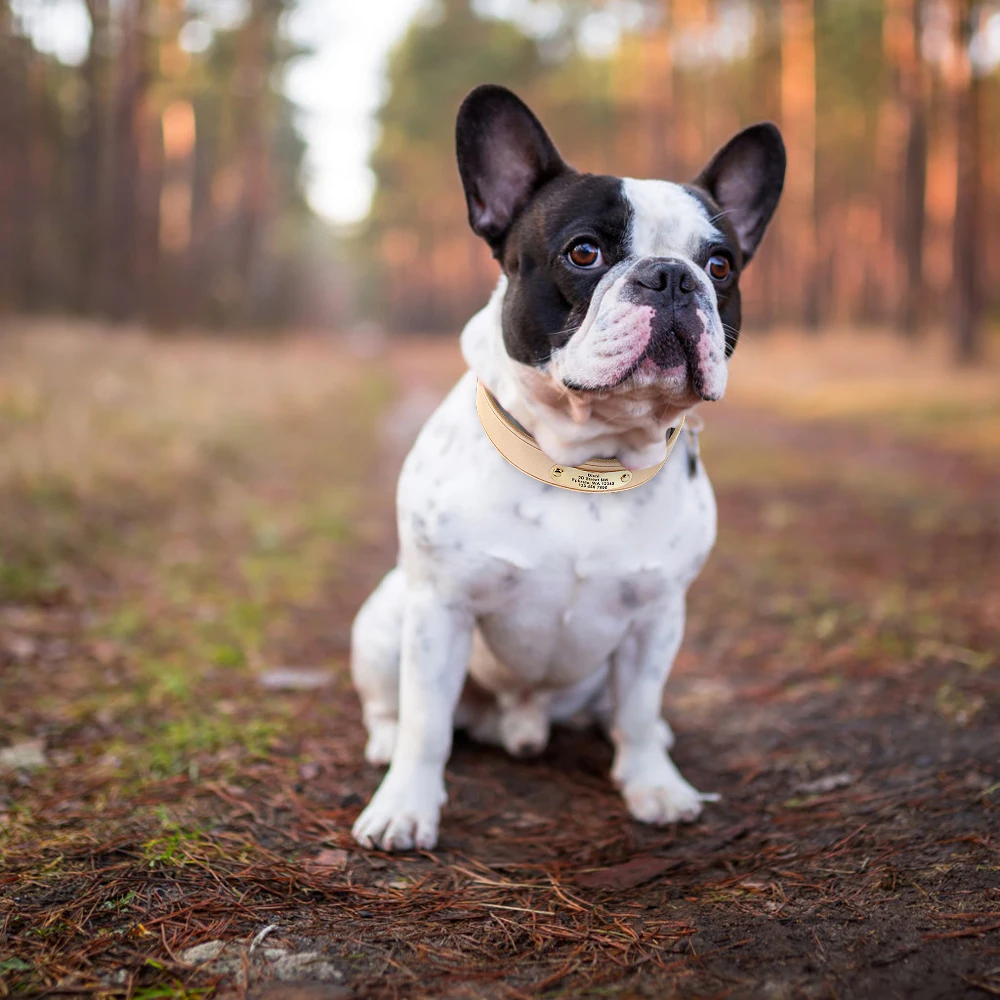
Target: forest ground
(186, 529)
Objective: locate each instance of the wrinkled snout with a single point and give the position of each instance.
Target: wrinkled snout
(653, 318)
(686, 331)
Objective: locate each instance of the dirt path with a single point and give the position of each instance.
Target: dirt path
(838, 687)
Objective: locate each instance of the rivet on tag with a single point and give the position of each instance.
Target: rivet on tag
(556, 471)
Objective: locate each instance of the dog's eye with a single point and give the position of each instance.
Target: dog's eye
(719, 267)
(584, 254)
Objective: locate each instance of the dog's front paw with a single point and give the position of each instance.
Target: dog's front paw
(403, 813)
(653, 788)
(676, 802)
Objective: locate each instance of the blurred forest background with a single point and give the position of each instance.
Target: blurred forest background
(160, 179)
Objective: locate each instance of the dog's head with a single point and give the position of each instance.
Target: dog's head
(615, 287)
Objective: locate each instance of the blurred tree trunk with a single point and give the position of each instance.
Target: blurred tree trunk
(911, 222)
(35, 188)
(642, 89)
(688, 19)
(892, 141)
(967, 239)
(798, 118)
(16, 133)
(89, 193)
(198, 270)
(767, 97)
(124, 242)
(658, 99)
(251, 83)
(8, 162)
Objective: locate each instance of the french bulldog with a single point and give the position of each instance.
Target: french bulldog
(516, 604)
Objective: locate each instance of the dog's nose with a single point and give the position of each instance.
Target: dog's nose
(671, 277)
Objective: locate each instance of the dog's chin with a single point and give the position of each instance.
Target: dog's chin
(681, 386)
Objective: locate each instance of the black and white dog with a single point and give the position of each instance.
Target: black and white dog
(516, 604)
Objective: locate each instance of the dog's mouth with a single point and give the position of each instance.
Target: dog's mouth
(672, 363)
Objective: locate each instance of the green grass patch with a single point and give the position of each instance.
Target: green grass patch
(179, 743)
(28, 580)
(169, 851)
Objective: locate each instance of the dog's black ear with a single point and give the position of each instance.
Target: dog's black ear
(504, 157)
(745, 178)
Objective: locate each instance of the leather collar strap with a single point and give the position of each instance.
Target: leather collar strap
(599, 475)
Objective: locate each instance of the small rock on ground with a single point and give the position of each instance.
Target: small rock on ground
(227, 958)
(26, 756)
(200, 953)
(289, 967)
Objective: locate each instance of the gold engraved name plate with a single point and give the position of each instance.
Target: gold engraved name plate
(599, 475)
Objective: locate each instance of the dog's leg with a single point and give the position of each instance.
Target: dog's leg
(651, 785)
(375, 643)
(602, 712)
(436, 637)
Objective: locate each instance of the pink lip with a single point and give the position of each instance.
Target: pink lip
(624, 340)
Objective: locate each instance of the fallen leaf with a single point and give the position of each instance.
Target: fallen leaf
(829, 783)
(630, 873)
(333, 858)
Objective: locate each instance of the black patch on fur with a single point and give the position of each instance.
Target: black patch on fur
(547, 297)
(629, 595)
(692, 462)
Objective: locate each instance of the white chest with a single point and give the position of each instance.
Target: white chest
(555, 579)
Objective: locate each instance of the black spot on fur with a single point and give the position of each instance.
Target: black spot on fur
(692, 462)
(629, 595)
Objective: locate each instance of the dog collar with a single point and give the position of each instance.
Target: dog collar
(599, 475)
